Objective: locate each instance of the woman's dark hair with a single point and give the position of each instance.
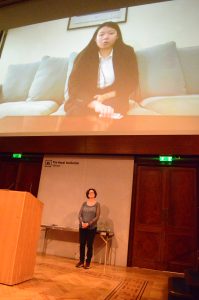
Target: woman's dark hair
(111, 25)
(87, 192)
(92, 46)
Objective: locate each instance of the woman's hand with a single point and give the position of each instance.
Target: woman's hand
(85, 225)
(104, 111)
(101, 98)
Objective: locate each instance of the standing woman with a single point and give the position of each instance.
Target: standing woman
(88, 217)
(104, 75)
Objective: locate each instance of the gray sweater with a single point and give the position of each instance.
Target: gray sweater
(89, 214)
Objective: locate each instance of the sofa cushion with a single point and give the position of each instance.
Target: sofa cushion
(136, 109)
(18, 81)
(187, 105)
(49, 81)
(189, 58)
(60, 111)
(160, 72)
(24, 108)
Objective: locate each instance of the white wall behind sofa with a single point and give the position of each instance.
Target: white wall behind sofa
(146, 25)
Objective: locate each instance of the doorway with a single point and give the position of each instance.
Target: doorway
(20, 174)
(163, 233)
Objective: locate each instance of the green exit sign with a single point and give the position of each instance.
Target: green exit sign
(166, 158)
(17, 155)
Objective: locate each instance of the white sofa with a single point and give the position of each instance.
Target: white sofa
(169, 84)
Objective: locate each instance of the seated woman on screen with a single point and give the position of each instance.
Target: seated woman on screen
(104, 75)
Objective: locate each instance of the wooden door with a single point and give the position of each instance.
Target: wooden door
(165, 235)
(181, 220)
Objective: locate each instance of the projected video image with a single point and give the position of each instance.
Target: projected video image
(135, 61)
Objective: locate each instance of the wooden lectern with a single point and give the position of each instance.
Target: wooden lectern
(19, 233)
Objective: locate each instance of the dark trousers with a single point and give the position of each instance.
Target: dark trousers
(86, 237)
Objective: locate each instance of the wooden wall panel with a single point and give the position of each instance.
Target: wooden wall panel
(8, 174)
(135, 144)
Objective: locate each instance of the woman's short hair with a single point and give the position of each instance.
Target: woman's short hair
(91, 189)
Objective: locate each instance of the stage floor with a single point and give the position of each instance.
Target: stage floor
(57, 278)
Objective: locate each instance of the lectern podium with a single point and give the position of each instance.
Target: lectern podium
(20, 219)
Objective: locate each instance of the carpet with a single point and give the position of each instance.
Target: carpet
(128, 289)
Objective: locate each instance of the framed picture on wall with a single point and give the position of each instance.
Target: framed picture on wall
(3, 34)
(116, 15)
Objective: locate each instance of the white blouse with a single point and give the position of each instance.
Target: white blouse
(106, 75)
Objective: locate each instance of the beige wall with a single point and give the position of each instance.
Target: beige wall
(62, 190)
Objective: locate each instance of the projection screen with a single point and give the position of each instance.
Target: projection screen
(37, 61)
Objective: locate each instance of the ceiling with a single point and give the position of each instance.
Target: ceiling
(15, 13)
(9, 2)
(4, 3)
